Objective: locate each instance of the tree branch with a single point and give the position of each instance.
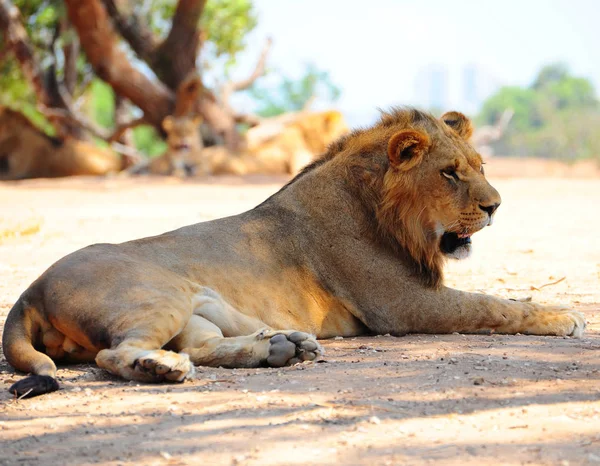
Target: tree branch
(78, 119)
(188, 95)
(70, 53)
(133, 29)
(124, 127)
(45, 84)
(110, 63)
(233, 86)
(17, 41)
(175, 58)
(248, 119)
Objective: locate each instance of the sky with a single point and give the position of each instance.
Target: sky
(377, 52)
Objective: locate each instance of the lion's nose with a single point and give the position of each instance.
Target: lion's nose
(490, 209)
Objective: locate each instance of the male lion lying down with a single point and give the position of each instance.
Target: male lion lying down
(353, 245)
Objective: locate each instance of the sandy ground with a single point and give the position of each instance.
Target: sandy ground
(448, 399)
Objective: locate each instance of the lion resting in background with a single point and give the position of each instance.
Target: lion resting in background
(290, 146)
(183, 156)
(284, 149)
(353, 245)
(26, 152)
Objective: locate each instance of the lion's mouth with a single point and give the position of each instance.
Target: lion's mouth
(182, 147)
(451, 242)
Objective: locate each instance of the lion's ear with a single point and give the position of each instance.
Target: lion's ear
(459, 123)
(406, 148)
(167, 123)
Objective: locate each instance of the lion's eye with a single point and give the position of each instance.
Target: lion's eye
(450, 173)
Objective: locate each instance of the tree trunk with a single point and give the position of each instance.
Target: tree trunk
(70, 52)
(176, 57)
(100, 44)
(122, 117)
(221, 122)
(174, 60)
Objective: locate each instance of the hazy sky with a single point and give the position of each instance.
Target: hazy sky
(374, 50)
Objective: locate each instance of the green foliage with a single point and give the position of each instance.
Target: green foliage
(101, 106)
(102, 103)
(224, 24)
(558, 116)
(148, 141)
(16, 93)
(40, 18)
(292, 94)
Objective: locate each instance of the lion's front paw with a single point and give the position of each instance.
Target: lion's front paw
(555, 320)
(162, 365)
(290, 347)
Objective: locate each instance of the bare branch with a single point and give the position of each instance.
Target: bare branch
(309, 103)
(130, 155)
(74, 118)
(80, 120)
(70, 53)
(132, 28)
(248, 119)
(233, 86)
(124, 127)
(486, 134)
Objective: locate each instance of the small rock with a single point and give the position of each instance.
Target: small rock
(478, 381)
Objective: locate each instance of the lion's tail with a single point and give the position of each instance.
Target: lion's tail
(17, 342)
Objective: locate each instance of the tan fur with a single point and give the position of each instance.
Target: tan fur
(292, 146)
(184, 155)
(354, 244)
(26, 152)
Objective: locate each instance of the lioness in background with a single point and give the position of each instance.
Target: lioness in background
(28, 152)
(354, 244)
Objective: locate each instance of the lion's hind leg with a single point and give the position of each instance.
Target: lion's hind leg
(138, 352)
(133, 361)
(207, 346)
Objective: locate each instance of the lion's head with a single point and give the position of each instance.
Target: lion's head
(321, 128)
(422, 182)
(183, 133)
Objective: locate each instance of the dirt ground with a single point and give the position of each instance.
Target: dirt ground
(447, 399)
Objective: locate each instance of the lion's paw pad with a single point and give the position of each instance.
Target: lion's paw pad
(288, 349)
(165, 365)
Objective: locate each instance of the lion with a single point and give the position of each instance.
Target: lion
(183, 156)
(282, 146)
(27, 152)
(353, 245)
(277, 147)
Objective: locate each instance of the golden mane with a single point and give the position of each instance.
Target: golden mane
(396, 204)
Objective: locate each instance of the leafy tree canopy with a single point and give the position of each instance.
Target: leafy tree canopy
(557, 116)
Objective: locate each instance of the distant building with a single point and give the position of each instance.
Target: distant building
(432, 87)
(465, 88)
